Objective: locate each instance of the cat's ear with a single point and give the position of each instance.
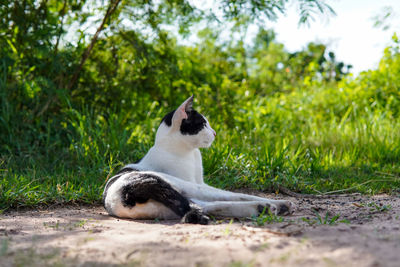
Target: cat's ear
(182, 112)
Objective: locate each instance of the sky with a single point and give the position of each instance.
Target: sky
(350, 34)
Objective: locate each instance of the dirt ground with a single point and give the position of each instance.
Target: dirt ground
(367, 233)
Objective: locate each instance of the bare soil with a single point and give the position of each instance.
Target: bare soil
(367, 233)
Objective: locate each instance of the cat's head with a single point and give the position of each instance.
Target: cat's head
(185, 126)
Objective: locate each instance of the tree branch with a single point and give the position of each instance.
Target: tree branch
(61, 14)
(111, 8)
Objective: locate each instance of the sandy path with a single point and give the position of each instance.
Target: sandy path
(86, 236)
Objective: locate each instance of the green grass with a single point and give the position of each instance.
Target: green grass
(317, 136)
(325, 220)
(311, 155)
(266, 217)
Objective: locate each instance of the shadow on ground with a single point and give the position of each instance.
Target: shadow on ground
(350, 230)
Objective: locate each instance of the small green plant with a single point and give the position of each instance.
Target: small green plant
(308, 221)
(325, 220)
(241, 264)
(81, 223)
(266, 218)
(227, 230)
(55, 226)
(65, 226)
(373, 207)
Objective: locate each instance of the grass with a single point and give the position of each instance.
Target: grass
(65, 226)
(310, 159)
(325, 220)
(266, 218)
(282, 119)
(298, 140)
(373, 207)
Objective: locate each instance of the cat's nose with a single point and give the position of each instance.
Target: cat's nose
(215, 134)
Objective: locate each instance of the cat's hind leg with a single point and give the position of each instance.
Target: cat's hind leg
(140, 195)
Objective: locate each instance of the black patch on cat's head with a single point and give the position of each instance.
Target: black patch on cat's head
(190, 126)
(168, 118)
(193, 124)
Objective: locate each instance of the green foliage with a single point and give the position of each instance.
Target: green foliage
(325, 220)
(373, 207)
(265, 217)
(298, 120)
(260, 11)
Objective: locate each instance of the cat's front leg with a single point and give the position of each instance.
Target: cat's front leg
(208, 194)
(211, 194)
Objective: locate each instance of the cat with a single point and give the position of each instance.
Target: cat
(167, 183)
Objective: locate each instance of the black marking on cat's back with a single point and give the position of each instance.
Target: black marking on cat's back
(127, 169)
(142, 187)
(193, 124)
(114, 179)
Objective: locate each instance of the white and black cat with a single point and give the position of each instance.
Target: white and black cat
(167, 183)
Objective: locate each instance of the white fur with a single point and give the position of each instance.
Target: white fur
(176, 154)
(177, 160)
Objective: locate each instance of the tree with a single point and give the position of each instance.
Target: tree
(55, 55)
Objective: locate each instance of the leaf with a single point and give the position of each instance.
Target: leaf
(12, 47)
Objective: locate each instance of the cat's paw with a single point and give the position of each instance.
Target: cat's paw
(284, 207)
(195, 216)
(276, 207)
(266, 208)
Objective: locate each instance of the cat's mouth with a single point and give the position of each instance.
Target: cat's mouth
(208, 143)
